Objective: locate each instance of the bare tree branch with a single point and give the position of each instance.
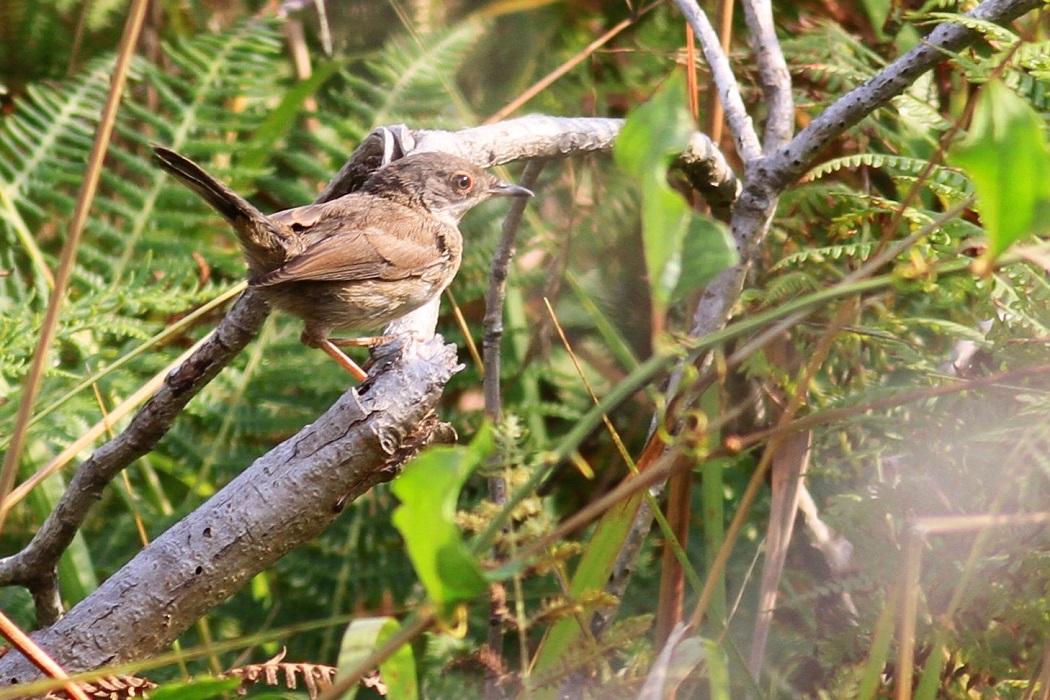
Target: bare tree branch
(773, 69)
(281, 501)
(766, 178)
(536, 137)
(788, 164)
(740, 124)
(790, 464)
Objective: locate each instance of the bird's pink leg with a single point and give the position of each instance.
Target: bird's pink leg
(344, 361)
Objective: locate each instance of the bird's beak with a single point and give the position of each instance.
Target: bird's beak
(505, 189)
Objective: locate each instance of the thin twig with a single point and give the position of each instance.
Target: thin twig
(914, 543)
(495, 295)
(692, 83)
(295, 36)
(715, 113)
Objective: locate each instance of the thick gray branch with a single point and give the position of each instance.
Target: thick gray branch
(495, 295)
(525, 138)
(281, 501)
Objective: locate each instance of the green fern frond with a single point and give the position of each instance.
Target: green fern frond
(40, 146)
(921, 114)
(1033, 55)
(1028, 69)
(1023, 297)
(44, 144)
(858, 250)
(947, 327)
(950, 182)
(1032, 87)
(219, 89)
(48, 120)
(865, 210)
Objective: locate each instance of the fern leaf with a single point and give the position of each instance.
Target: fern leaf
(953, 182)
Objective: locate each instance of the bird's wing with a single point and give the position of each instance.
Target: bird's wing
(349, 256)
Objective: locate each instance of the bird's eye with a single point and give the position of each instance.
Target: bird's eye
(462, 182)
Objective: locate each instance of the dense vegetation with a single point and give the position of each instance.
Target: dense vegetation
(918, 384)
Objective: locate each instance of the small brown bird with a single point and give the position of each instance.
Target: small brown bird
(362, 260)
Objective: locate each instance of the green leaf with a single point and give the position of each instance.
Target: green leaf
(655, 132)
(363, 637)
(429, 489)
(202, 689)
(1005, 154)
(650, 139)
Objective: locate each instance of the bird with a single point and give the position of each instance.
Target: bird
(359, 261)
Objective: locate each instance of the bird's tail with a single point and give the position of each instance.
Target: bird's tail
(219, 197)
(261, 239)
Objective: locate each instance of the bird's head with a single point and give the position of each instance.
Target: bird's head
(446, 186)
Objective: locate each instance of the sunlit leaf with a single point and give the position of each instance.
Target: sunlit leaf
(429, 489)
(1006, 156)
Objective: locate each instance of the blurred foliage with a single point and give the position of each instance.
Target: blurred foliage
(214, 80)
